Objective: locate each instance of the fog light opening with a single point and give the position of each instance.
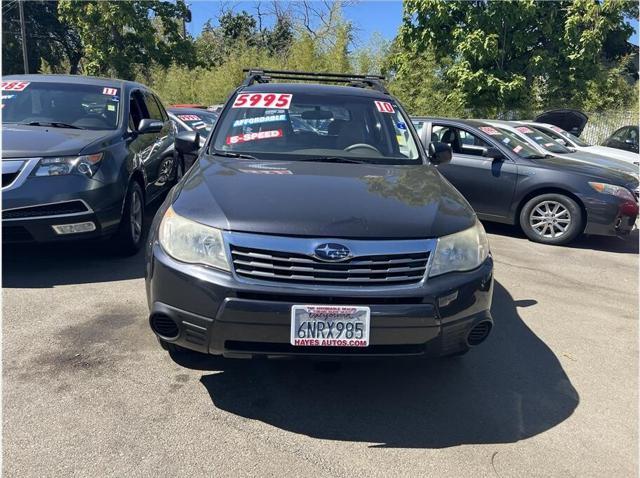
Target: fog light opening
(76, 228)
(164, 326)
(479, 333)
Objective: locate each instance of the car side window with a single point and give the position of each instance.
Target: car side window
(633, 135)
(620, 135)
(137, 110)
(460, 140)
(153, 108)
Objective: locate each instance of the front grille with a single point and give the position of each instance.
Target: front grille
(57, 209)
(374, 270)
(8, 178)
(330, 300)
(288, 349)
(16, 234)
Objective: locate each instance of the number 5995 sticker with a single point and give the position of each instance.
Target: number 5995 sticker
(263, 100)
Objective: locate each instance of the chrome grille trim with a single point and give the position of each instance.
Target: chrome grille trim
(87, 210)
(28, 164)
(289, 261)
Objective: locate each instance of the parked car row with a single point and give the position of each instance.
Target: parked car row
(316, 220)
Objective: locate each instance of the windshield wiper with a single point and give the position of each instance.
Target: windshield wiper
(229, 154)
(332, 159)
(55, 124)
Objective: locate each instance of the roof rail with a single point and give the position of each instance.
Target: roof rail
(258, 75)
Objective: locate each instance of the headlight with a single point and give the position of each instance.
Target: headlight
(190, 241)
(462, 251)
(87, 165)
(613, 190)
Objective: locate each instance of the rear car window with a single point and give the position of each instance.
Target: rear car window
(289, 126)
(83, 106)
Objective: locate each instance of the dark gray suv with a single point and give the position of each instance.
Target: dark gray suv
(81, 157)
(336, 238)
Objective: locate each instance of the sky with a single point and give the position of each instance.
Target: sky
(367, 17)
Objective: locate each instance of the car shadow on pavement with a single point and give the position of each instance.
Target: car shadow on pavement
(626, 245)
(77, 262)
(510, 388)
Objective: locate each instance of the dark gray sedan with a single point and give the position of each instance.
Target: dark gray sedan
(553, 199)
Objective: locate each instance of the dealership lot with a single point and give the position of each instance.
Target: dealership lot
(553, 391)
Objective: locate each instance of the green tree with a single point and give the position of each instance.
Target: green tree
(120, 37)
(49, 40)
(496, 55)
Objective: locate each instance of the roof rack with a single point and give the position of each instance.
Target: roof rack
(258, 75)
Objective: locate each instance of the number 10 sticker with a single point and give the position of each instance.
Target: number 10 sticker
(384, 107)
(263, 100)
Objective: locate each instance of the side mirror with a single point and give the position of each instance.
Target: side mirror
(493, 153)
(148, 125)
(187, 142)
(439, 153)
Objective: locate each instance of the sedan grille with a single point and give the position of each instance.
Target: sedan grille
(374, 270)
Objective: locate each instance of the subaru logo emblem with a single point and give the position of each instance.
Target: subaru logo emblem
(332, 252)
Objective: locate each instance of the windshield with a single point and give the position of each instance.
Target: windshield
(315, 126)
(71, 105)
(201, 120)
(562, 134)
(544, 140)
(511, 140)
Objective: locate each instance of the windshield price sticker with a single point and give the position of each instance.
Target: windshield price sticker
(263, 100)
(243, 138)
(517, 149)
(384, 107)
(524, 129)
(330, 326)
(110, 91)
(489, 130)
(189, 117)
(14, 85)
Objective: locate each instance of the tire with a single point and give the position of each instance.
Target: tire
(170, 347)
(130, 235)
(552, 219)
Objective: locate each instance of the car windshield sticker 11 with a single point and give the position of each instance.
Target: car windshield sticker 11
(384, 107)
(263, 100)
(14, 85)
(110, 91)
(489, 130)
(243, 138)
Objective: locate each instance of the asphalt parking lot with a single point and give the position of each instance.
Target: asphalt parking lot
(553, 392)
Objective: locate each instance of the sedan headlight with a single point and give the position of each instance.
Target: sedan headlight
(462, 251)
(613, 190)
(190, 241)
(87, 165)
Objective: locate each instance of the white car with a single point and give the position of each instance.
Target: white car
(571, 141)
(546, 145)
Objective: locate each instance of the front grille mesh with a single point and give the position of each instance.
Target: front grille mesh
(375, 270)
(70, 207)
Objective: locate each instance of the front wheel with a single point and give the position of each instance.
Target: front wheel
(128, 239)
(551, 219)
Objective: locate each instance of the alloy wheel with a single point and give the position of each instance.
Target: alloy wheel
(550, 219)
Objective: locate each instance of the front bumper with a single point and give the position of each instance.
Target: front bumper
(609, 215)
(216, 314)
(103, 202)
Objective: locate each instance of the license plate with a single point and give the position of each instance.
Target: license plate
(330, 326)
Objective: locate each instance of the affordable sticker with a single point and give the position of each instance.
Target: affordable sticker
(263, 100)
(14, 85)
(244, 138)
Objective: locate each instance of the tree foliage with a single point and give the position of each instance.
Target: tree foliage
(494, 55)
(120, 37)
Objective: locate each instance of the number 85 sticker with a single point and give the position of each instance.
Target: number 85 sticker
(263, 100)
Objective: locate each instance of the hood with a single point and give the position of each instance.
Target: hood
(620, 154)
(323, 199)
(593, 165)
(569, 120)
(19, 141)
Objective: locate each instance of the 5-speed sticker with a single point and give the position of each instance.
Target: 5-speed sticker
(384, 107)
(263, 100)
(14, 85)
(243, 138)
